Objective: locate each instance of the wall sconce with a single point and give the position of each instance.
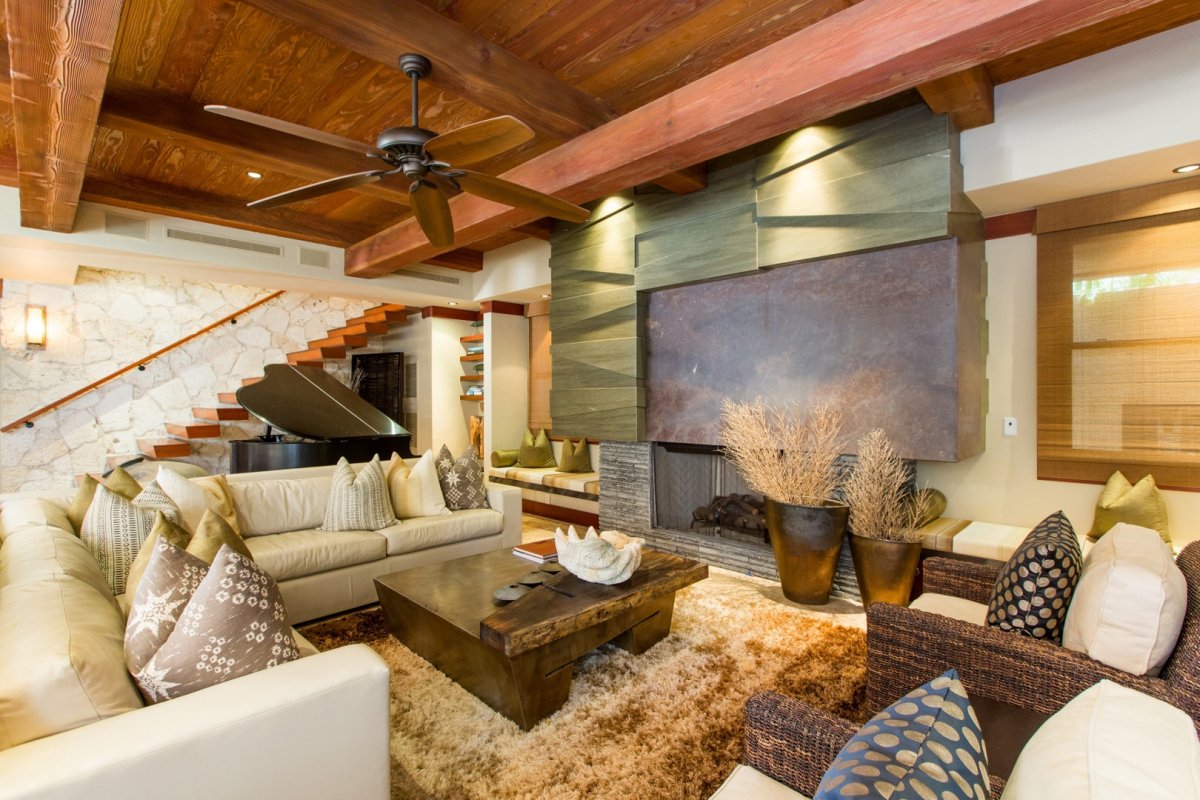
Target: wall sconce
(35, 327)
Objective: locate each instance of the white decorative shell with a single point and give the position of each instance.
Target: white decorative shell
(609, 557)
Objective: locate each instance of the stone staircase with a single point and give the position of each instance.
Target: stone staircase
(177, 438)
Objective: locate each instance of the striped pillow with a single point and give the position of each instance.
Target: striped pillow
(358, 502)
(114, 529)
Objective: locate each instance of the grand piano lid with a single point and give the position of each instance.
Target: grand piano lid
(308, 402)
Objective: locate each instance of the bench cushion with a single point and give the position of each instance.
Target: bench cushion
(295, 554)
(581, 482)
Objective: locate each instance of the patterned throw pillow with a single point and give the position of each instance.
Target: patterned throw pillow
(163, 529)
(535, 450)
(234, 624)
(155, 499)
(926, 744)
(358, 502)
(461, 480)
(575, 457)
(171, 577)
(1034, 588)
(118, 481)
(114, 529)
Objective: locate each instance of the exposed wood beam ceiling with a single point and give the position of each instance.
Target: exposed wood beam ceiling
(863, 54)
(966, 96)
(59, 51)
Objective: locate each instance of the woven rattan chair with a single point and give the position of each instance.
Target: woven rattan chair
(795, 743)
(906, 647)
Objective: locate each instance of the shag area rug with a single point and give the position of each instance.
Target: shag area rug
(665, 724)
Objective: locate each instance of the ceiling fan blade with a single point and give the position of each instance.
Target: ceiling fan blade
(479, 141)
(432, 212)
(317, 189)
(513, 194)
(331, 139)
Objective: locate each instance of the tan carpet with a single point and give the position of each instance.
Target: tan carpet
(666, 724)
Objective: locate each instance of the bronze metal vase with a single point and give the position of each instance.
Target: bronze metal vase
(885, 569)
(806, 541)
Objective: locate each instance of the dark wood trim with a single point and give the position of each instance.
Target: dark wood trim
(572, 516)
(1018, 223)
(967, 96)
(797, 81)
(442, 312)
(501, 307)
(463, 259)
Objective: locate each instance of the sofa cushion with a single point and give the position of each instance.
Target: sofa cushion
(422, 533)
(34, 554)
(747, 783)
(33, 512)
(1121, 501)
(950, 606)
(305, 552)
(171, 577)
(114, 530)
(1034, 588)
(279, 504)
(1109, 742)
(461, 479)
(926, 744)
(358, 502)
(235, 624)
(64, 661)
(1130, 603)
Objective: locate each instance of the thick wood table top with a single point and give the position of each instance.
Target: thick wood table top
(460, 592)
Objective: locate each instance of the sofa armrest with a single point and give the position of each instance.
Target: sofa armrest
(958, 577)
(507, 500)
(312, 728)
(791, 741)
(906, 647)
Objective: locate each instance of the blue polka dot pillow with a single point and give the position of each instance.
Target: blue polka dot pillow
(926, 745)
(1034, 588)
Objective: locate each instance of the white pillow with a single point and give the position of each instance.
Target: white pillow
(191, 499)
(415, 492)
(1129, 603)
(358, 502)
(1110, 742)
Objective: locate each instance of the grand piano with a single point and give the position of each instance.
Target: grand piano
(312, 419)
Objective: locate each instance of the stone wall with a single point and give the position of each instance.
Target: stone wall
(107, 320)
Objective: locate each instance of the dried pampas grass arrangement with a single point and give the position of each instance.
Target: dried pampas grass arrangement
(876, 491)
(781, 453)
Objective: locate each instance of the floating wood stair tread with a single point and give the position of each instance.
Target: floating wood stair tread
(221, 413)
(347, 340)
(472, 357)
(229, 398)
(361, 329)
(164, 448)
(251, 381)
(475, 337)
(471, 378)
(394, 317)
(476, 397)
(317, 354)
(194, 430)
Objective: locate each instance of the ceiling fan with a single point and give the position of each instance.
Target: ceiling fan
(432, 164)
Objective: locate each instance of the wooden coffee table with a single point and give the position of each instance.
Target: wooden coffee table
(519, 658)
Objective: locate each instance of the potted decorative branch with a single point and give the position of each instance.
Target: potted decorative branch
(791, 460)
(885, 541)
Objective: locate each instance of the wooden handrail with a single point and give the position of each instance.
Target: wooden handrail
(12, 426)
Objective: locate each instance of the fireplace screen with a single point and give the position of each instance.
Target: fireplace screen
(697, 490)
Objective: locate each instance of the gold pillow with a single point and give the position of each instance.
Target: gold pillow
(118, 482)
(212, 532)
(165, 529)
(220, 500)
(1140, 504)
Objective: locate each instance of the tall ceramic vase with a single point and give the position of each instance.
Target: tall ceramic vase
(885, 570)
(806, 541)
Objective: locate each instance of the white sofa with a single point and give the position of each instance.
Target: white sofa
(73, 725)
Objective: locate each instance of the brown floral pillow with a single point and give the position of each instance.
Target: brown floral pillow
(461, 480)
(171, 577)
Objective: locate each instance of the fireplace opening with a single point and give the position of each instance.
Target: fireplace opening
(697, 491)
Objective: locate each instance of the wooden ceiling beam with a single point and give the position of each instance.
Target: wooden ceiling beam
(137, 193)
(865, 53)
(463, 259)
(60, 51)
(181, 121)
(967, 96)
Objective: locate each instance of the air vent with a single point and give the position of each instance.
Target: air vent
(314, 258)
(427, 276)
(224, 241)
(121, 225)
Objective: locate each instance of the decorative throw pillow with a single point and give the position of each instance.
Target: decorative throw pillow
(461, 480)
(189, 496)
(535, 450)
(505, 458)
(211, 534)
(234, 624)
(1130, 603)
(163, 529)
(114, 530)
(219, 499)
(415, 492)
(155, 499)
(1141, 505)
(358, 502)
(575, 457)
(926, 744)
(171, 578)
(118, 481)
(1034, 588)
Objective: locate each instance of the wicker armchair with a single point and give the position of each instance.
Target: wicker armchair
(795, 743)
(906, 647)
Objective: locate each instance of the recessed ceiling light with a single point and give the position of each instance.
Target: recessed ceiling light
(252, 175)
(1186, 168)
(452, 303)
(545, 297)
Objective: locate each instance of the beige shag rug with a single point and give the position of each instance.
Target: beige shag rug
(665, 724)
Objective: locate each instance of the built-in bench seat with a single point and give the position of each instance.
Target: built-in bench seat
(570, 496)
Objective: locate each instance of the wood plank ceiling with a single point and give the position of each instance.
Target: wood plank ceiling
(570, 64)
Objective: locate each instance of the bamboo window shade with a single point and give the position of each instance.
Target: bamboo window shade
(1119, 343)
(539, 372)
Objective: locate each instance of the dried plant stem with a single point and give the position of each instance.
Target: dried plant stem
(880, 508)
(782, 454)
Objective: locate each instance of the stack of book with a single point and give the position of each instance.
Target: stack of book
(542, 552)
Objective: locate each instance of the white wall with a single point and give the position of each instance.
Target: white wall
(448, 414)
(514, 272)
(1001, 485)
(505, 381)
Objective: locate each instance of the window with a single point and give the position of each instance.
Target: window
(1119, 339)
